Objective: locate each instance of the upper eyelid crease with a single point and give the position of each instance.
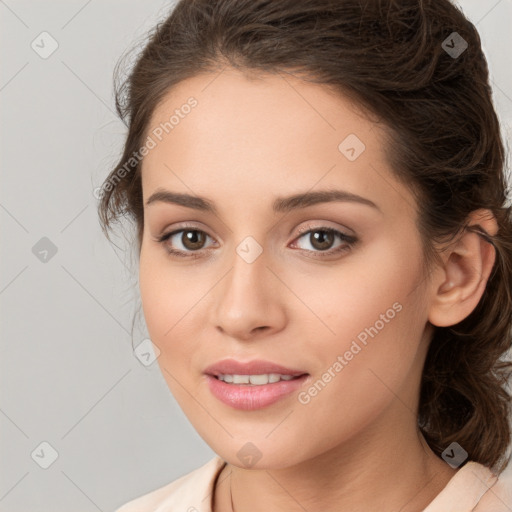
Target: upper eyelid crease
(280, 205)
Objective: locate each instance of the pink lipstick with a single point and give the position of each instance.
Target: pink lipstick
(254, 384)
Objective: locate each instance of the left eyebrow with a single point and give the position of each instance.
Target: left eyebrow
(286, 204)
(281, 204)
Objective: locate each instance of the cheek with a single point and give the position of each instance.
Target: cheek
(370, 321)
(165, 292)
(156, 295)
(165, 304)
(167, 301)
(365, 291)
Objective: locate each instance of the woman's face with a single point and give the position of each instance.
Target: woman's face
(259, 278)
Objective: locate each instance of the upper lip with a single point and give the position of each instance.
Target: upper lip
(255, 367)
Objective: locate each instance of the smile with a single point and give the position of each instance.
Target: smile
(254, 380)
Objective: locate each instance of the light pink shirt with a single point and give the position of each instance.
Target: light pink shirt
(474, 488)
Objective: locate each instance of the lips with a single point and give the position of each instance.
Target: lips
(256, 367)
(252, 396)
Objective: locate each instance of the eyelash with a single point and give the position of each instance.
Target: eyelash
(349, 241)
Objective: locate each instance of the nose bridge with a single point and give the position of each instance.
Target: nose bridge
(246, 281)
(247, 298)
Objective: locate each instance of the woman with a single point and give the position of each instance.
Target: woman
(325, 253)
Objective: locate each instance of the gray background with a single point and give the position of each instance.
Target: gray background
(68, 374)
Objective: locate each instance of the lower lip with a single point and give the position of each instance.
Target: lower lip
(248, 397)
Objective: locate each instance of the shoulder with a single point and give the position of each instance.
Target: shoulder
(191, 492)
(475, 488)
(498, 497)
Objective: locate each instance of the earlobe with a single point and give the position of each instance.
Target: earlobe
(460, 283)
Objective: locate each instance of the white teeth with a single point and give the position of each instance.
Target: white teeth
(258, 379)
(241, 379)
(255, 380)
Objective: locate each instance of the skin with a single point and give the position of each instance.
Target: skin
(249, 140)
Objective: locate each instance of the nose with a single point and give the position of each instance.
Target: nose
(248, 300)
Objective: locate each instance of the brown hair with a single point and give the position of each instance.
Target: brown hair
(445, 143)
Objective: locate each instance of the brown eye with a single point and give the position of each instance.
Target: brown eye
(321, 239)
(193, 239)
(184, 242)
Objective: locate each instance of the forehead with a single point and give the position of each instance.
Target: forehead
(260, 104)
(261, 134)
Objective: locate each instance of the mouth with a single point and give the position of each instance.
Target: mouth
(252, 385)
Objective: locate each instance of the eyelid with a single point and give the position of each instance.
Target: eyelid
(182, 227)
(349, 240)
(309, 227)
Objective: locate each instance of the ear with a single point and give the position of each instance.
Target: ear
(459, 283)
